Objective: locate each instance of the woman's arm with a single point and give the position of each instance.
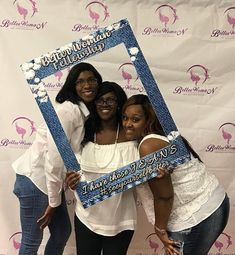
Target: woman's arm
(162, 190)
(54, 166)
(163, 199)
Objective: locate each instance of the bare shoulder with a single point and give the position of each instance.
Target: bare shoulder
(150, 145)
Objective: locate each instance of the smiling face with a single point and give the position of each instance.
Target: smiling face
(134, 122)
(86, 86)
(106, 106)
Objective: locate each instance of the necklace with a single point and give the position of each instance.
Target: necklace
(97, 147)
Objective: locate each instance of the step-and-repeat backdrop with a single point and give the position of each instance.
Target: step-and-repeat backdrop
(190, 49)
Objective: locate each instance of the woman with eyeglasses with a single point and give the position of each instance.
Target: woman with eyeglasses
(107, 227)
(40, 170)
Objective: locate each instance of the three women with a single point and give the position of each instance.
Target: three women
(184, 204)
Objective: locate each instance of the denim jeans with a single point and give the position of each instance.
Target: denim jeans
(199, 239)
(33, 203)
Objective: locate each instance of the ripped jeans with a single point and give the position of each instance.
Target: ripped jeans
(199, 239)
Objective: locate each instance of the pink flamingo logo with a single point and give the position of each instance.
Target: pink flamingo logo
(230, 19)
(21, 130)
(166, 13)
(15, 240)
(220, 245)
(58, 75)
(126, 76)
(227, 136)
(34, 7)
(126, 72)
(152, 244)
(229, 240)
(94, 12)
(197, 73)
(23, 10)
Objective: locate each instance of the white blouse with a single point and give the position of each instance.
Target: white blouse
(197, 194)
(118, 212)
(42, 162)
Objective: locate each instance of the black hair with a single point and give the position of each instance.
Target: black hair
(68, 91)
(92, 125)
(152, 123)
(107, 87)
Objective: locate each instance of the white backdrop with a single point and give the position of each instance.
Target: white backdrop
(190, 49)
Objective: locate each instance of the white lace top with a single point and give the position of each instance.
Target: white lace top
(117, 213)
(197, 194)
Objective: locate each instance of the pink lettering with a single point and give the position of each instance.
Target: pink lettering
(22, 25)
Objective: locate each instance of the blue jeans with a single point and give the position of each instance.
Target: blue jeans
(33, 203)
(199, 239)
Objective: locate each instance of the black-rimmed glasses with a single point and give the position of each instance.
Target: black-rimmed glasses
(108, 101)
(90, 81)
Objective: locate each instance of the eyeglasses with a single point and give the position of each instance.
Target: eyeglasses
(108, 101)
(90, 81)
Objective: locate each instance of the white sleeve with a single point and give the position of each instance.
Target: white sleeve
(54, 166)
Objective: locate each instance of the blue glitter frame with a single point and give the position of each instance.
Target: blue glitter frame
(138, 171)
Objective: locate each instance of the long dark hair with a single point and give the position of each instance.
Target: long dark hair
(93, 124)
(152, 123)
(68, 91)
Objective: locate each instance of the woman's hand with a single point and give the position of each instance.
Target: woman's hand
(46, 218)
(72, 179)
(161, 172)
(169, 245)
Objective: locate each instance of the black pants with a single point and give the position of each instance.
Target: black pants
(90, 243)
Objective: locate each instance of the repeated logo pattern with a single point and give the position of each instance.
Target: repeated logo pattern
(166, 14)
(15, 240)
(22, 131)
(131, 79)
(55, 81)
(198, 75)
(226, 132)
(23, 128)
(166, 18)
(227, 136)
(98, 14)
(152, 243)
(230, 15)
(228, 30)
(222, 244)
(26, 10)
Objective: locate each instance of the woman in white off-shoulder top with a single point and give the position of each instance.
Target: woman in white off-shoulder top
(107, 227)
(188, 208)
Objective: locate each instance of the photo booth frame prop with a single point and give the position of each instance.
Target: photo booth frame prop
(136, 172)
